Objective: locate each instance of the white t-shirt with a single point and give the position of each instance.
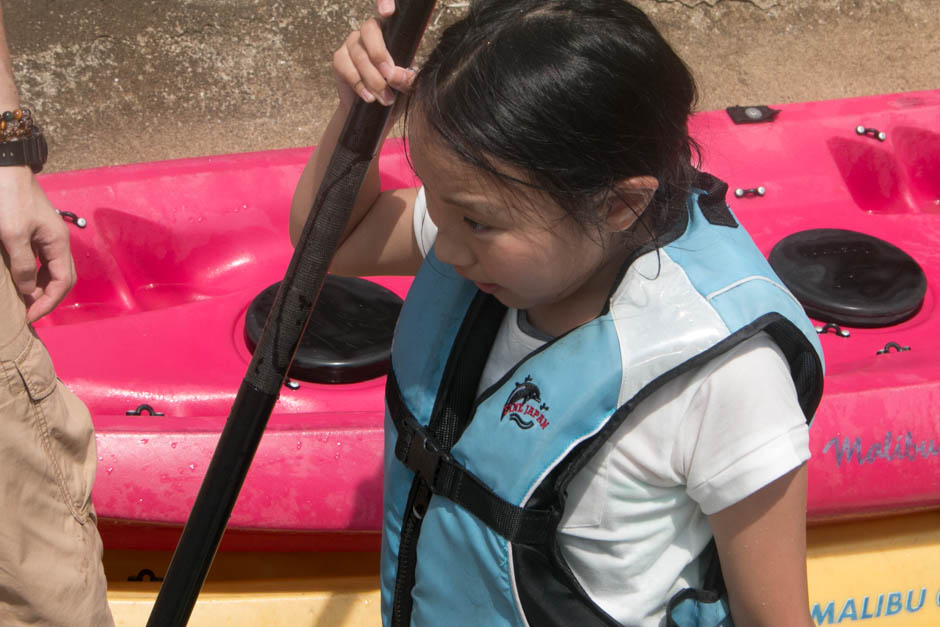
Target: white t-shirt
(636, 515)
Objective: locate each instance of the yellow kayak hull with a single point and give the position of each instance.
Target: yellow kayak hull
(881, 571)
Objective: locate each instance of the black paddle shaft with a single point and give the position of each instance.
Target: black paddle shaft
(357, 145)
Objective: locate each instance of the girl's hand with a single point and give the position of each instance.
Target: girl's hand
(363, 67)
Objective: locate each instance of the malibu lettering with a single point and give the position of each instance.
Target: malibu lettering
(870, 607)
(892, 448)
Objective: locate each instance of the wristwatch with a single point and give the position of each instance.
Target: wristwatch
(31, 151)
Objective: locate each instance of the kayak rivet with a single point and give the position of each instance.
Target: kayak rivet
(292, 384)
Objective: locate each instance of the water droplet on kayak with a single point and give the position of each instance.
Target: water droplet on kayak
(144, 440)
(299, 445)
(110, 469)
(192, 466)
(172, 444)
(101, 458)
(199, 219)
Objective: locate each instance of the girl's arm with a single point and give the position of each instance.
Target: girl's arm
(379, 237)
(762, 547)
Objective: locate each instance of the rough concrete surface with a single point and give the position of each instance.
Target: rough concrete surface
(121, 81)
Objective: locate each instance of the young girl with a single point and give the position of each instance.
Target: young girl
(595, 372)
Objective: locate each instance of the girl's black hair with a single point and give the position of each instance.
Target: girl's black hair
(577, 94)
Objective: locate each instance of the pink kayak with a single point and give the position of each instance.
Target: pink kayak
(174, 257)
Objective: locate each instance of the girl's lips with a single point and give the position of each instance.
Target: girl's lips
(489, 288)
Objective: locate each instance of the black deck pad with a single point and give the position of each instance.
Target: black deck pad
(850, 278)
(349, 337)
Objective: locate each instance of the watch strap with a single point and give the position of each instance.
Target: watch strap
(31, 151)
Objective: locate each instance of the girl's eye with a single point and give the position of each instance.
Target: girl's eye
(476, 227)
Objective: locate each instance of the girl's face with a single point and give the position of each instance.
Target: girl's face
(515, 242)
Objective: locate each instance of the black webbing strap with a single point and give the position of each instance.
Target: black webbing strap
(418, 451)
(712, 203)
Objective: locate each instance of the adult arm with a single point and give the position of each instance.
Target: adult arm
(761, 543)
(379, 236)
(29, 225)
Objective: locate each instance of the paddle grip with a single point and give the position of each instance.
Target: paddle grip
(357, 146)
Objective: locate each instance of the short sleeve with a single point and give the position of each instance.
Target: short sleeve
(425, 229)
(744, 428)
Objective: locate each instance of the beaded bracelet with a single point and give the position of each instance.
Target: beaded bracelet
(16, 124)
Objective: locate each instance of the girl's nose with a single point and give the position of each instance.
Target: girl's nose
(452, 251)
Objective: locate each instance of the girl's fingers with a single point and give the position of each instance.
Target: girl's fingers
(373, 41)
(354, 69)
(347, 77)
(365, 66)
(400, 78)
(385, 7)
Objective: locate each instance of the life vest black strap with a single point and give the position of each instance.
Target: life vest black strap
(446, 477)
(712, 202)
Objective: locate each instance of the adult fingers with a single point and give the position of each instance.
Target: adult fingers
(22, 264)
(55, 278)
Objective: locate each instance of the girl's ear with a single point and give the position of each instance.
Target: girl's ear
(629, 200)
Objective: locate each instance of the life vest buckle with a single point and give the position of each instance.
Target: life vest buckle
(421, 454)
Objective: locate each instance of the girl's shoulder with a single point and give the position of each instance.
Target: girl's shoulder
(711, 426)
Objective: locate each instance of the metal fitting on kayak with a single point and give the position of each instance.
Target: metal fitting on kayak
(835, 328)
(68, 216)
(752, 115)
(291, 384)
(149, 574)
(871, 132)
(751, 191)
(897, 347)
(144, 407)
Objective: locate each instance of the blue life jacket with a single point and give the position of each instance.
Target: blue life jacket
(475, 486)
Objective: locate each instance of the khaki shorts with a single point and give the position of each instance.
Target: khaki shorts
(50, 550)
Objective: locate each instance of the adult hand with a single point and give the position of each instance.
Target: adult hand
(31, 228)
(363, 66)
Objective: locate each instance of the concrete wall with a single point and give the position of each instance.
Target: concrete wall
(120, 81)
